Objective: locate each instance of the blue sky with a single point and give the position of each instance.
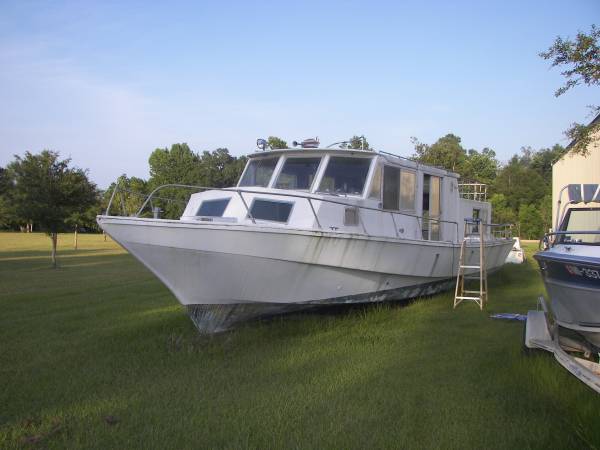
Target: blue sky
(105, 83)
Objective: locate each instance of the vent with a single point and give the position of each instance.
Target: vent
(350, 216)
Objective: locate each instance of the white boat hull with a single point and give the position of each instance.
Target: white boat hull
(227, 273)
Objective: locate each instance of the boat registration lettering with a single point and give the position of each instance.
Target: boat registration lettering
(583, 272)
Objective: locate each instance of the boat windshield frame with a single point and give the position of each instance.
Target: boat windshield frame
(367, 177)
(325, 159)
(564, 233)
(300, 156)
(251, 161)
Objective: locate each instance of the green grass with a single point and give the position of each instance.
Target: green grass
(101, 337)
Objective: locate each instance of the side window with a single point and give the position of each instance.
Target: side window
(213, 208)
(391, 191)
(375, 191)
(399, 187)
(408, 185)
(273, 210)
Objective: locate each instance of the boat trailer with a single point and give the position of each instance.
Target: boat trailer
(541, 334)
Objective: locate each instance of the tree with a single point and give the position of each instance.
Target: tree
(84, 219)
(581, 60)
(275, 142)
(520, 184)
(530, 222)
(7, 218)
(542, 160)
(219, 169)
(48, 192)
(523, 190)
(177, 165)
(545, 208)
(481, 166)
(180, 165)
(447, 152)
(130, 195)
(501, 212)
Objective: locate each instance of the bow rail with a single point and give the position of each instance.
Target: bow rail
(310, 199)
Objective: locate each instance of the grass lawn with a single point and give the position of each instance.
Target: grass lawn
(98, 354)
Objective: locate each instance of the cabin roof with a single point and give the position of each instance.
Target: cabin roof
(388, 157)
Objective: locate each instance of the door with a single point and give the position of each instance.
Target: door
(431, 207)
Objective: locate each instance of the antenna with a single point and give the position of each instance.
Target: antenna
(338, 143)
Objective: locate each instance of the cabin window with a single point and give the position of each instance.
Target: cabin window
(375, 191)
(398, 189)
(476, 217)
(272, 210)
(298, 173)
(213, 208)
(259, 172)
(391, 188)
(431, 207)
(345, 175)
(408, 185)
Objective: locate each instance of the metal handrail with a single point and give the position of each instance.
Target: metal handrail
(496, 230)
(573, 232)
(552, 242)
(308, 198)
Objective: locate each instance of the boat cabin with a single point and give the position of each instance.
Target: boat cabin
(345, 190)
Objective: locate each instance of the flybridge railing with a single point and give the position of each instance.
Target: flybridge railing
(496, 230)
(420, 220)
(473, 191)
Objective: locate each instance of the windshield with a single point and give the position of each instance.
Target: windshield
(587, 219)
(345, 175)
(258, 172)
(298, 173)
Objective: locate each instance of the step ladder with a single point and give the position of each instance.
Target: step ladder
(473, 228)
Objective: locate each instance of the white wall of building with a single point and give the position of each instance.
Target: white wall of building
(575, 169)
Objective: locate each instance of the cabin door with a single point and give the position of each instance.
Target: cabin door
(431, 207)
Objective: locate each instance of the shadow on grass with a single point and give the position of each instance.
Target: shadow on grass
(34, 254)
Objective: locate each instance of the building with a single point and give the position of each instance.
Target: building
(576, 169)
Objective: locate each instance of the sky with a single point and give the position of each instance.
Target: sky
(106, 83)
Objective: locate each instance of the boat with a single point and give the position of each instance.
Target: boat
(570, 264)
(517, 254)
(308, 227)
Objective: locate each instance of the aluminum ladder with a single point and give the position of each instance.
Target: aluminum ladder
(473, 227)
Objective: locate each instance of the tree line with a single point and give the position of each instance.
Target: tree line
(43, 191)
(520, 191)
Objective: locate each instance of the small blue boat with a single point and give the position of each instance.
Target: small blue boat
(570, 264)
